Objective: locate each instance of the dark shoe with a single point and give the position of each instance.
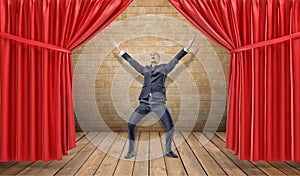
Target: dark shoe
(172, 154)
(129, 155)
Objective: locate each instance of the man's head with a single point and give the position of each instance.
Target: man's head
(154, 58)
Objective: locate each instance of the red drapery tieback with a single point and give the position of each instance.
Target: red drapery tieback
(265, 43)
(33, 42)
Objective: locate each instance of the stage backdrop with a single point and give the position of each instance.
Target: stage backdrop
(106, 88)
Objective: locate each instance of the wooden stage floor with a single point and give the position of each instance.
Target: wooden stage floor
(103, 153)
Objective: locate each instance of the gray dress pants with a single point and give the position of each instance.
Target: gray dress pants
(161, 110)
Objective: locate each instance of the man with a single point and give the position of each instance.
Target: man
(153, 96)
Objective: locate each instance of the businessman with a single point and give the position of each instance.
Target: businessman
(153, 95)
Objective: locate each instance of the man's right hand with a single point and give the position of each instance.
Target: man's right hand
(191, 43)
(117, 45)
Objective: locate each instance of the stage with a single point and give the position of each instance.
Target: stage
(194, 159)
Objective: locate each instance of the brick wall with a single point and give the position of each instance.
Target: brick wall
(106, 88)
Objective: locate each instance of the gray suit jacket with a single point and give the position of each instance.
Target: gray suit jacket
(154, 77)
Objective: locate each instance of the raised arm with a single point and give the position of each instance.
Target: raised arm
(138, 67)
(171, 65)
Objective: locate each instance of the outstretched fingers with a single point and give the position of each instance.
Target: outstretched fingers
(116, 44)
(191, 42)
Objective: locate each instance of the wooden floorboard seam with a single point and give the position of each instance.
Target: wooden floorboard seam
(105, 155)
(135, 151)
(16, 165)
(290, 171)
(231, 157)
(224, 153)
(253, 163)
(149, 155)
(179, 156)
(298, 168)
(175, 167)
(86, 159)
(211, 155)
(161, 145)
(119, 158)
(234, 169)
(81, 136)
(126, 166)
(142, 156)
(6, 165)
(185, 140)
(96, 148)
(222, 149)
(85, 135)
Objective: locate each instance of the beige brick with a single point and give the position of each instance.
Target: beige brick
(145, 26)
(155, 3)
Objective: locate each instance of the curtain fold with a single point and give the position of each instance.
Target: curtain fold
(263, 120)
(36, 83)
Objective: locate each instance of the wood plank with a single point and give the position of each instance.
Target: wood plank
(142, 156)
(157, 161)
(285, 168)
(125, 166)
(221, 135)
(174, 165)
(267, 168)
(190, 162)
(110, 161)
(96, 158)
(35, 167)
(74, 165)
(294, 164)
(87, 159)
(248, 167)
(210, 166)
(5, 165)
(27, 168)
(79, 135)
(16, 168)
(53, 166)
(263, 166)
(228, 166)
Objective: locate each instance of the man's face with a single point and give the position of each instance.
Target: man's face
(154, 58)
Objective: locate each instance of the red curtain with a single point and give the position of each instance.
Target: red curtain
(36, 100)
(263, 121)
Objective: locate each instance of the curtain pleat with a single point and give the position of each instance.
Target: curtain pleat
(36, 83)
(263, 120)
